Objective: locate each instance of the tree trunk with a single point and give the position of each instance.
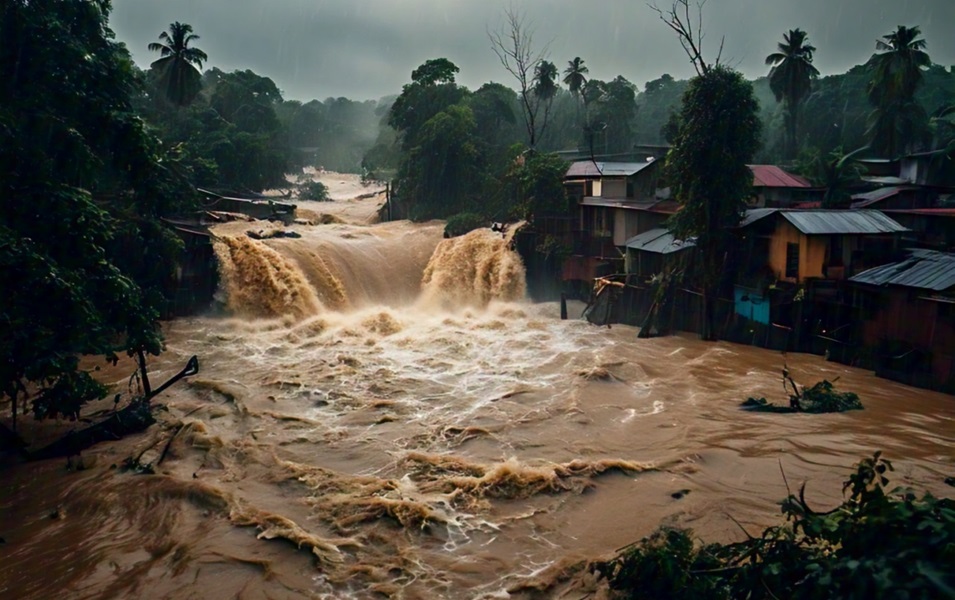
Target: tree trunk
(147, 389)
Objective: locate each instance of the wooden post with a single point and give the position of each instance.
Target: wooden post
(563, 306)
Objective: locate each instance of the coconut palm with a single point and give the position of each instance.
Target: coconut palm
(575, 75)
(791, 79)
(178, 69)
(575, 79)
(897, 71)
(897, 123)
(837, 173)
(545, 78)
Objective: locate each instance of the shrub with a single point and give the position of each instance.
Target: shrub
(313, 190)
(462, 223)
(876, 544)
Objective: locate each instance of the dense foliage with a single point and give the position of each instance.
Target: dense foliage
(457, 152)
(876, 544)
(83, 183)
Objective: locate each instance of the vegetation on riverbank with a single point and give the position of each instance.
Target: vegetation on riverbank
(879, 543)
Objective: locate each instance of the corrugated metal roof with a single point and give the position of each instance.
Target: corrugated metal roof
(841, 222)
(589, 168)
(617, 203)
(870, 198)
(755, 214)
(773, 176)
(887, 180)
(931, 212)
(658, 241)
(923, 269)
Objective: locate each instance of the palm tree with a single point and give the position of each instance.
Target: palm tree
(837, 172)
(791, 79)
(575, 79)
(897, 71)
(545, 77)
(898, 123)
(178, 69)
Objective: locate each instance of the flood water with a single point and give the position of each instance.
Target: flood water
(375, 416)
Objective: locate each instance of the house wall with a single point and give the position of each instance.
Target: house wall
(629, 222)
(923, 324)
(812, 252)
(615, 187)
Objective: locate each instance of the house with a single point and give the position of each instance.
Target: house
(933, 168)
(613, 198)
(616, 201)
(894, 197)
(649, 252)
(933, 227)
(801, 245)
(775, 188)
(907, 310)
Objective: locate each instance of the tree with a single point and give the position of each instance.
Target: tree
(719, 133)
(575, 76)
(444, 164)
(436, 70)
(898, 123)
(689, 31)
(791, 80)
(514, 47)
(83, 257)
(179, 67)
(836, 172)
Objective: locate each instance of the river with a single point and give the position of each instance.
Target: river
(382, 412)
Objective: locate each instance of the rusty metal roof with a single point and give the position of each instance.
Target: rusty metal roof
(773, 176)
(658, 241)
(841, 222)
(590, 168)
(923, 269)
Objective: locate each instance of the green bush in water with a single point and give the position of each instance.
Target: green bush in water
(462, 223)
(314, 190)
(876, 544)
(819, 398)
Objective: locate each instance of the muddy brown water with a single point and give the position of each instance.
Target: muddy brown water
(384, 415)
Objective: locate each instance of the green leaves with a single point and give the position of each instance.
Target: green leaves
(83, 259)
(874, 545)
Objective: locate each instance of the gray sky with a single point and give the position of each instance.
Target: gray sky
(365, 49)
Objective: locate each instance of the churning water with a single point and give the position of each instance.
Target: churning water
(386, 408)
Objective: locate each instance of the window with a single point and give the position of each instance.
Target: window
(792, 261)
(835, 251)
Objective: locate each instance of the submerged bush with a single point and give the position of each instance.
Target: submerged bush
(314, 190)
(462, 223)
(876, 544)
(819, 398)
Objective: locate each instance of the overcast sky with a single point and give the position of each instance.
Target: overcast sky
(366, 49)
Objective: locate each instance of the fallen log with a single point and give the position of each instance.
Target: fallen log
(134, 418)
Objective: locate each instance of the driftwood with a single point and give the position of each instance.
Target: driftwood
(134, 418)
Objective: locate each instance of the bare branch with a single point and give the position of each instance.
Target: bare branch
(513, 44)
(679, 19)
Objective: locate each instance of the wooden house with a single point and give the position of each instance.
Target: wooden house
(907, 310)
(774, 187)
(616, 201)
(800, 245)
(650, 252)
